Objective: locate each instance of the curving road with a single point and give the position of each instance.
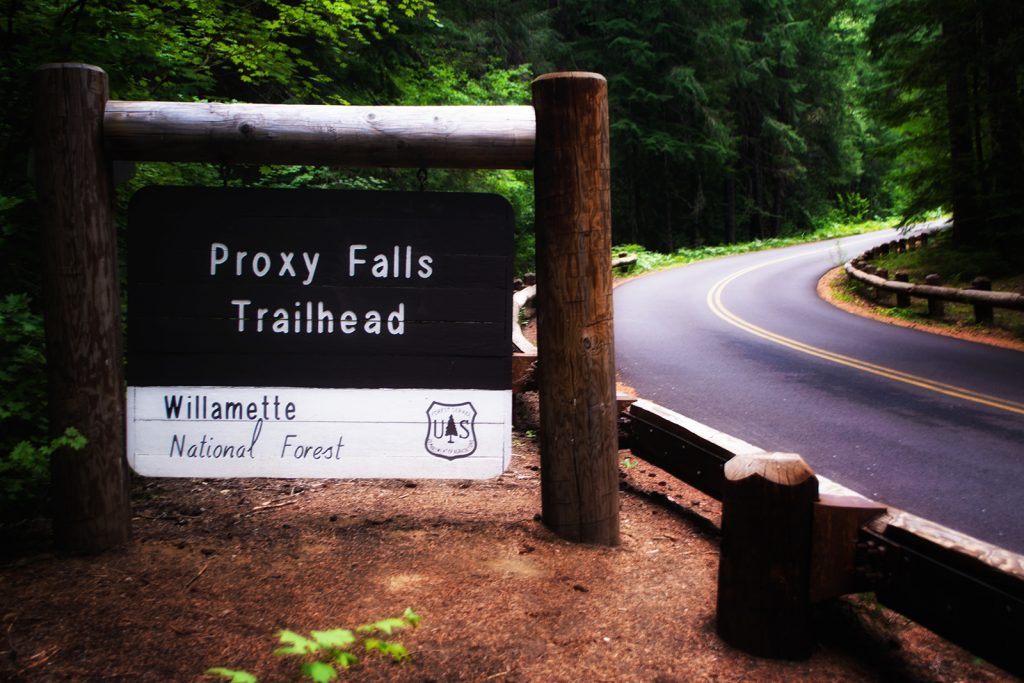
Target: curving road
(928, 424)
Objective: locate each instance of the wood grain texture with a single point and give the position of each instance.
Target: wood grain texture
(897, 523)
(428, 137)
(784, 469)
(82, 307)
(764, 567)
(576, 374)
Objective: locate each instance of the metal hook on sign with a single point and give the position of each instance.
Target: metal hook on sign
(421, 176)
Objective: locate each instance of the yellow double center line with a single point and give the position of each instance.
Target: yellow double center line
(714, 300)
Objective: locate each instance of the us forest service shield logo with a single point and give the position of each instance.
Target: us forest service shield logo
(450, 430)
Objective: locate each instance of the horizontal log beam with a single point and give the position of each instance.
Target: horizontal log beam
(686, 449)
(1009, 300)
(409, 137)
(961, 588)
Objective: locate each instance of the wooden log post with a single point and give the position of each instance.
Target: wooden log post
(765, 561)
(576, 371)
(82, 307)
(902, 298)
(983, 312)
(880, 294)
(936, 306)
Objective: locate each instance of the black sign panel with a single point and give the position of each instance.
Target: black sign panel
(318, 288)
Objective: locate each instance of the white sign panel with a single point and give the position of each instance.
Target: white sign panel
(327, 433)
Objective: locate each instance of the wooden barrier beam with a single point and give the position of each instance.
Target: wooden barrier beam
(409, 137)
(963, 589)
(82, 307)
(1010, 300)
(576, 371)
(686, 449)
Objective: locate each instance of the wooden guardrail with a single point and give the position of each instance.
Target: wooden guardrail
(979, 295)
(966, 590)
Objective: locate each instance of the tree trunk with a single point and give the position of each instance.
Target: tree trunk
(730, 208)
(670, 238)
(1007, 192)
(967, 226)
(776, 222)
(757, 193)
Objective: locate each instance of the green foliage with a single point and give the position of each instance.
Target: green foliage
(850, 208)
(322, 652)
(232, 675)
(179, 49)
(21, 359)
(24, 449)
(25, 471)
(730, 120)
(946, 82)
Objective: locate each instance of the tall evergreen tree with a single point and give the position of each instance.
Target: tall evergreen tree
(952, 76)
(718, 108)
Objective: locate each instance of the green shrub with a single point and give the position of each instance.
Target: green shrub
(24, 444)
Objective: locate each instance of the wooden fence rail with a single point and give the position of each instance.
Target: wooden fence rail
(966, 590)
(447, 137)
(978, 296)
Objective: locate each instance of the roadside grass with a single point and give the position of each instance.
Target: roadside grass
(648, 261)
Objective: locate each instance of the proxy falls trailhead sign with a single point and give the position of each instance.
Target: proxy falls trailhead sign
(314, 333)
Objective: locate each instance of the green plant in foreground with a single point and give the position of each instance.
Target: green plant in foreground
(323, 651)
(628, 464)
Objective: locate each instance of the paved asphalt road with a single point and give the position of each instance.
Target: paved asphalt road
(934, 425)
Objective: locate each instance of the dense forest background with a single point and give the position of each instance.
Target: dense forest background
(731, 119)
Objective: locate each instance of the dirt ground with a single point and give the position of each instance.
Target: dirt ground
(217, 567)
